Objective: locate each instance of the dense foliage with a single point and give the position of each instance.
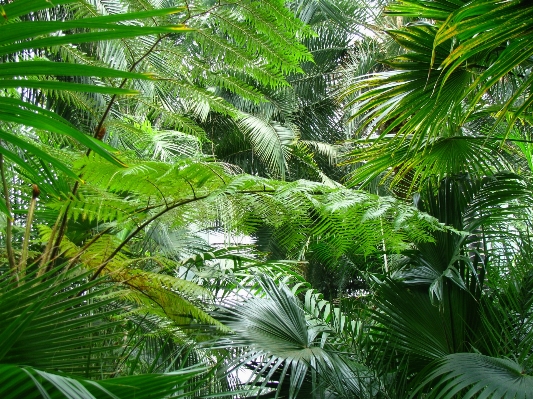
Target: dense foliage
(261, 198)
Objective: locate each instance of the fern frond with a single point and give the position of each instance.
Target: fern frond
(147, 292)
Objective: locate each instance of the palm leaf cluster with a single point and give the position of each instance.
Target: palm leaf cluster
(67, 325)
(170, 184)
(452, 100)
(436, 127)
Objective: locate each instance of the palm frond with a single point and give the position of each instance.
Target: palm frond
(284, 342)
(445, 83)
(271, 141)
(29, 382)
(473, 374)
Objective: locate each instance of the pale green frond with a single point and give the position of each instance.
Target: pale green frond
(169, 305)
(271, 141)
(286, 345)
(330, 151)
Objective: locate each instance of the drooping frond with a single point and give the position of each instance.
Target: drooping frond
(460, 77)
(473, 374)
(160, 294)
(270, 140)
(410, 167)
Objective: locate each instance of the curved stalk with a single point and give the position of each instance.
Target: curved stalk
(26, 241)
(154, 217)
(9, 223)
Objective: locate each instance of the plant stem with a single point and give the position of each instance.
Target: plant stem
(157, 215)
(49, 246)
(74, 259)
(9, 223)
(26, 242)
(63, 224)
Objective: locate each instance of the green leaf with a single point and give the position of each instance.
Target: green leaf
(23, 113)
(473, 374)
(27, 146)
(37, 68)
(284, 342)
(56, 85)
(31, 383)
(17, 8)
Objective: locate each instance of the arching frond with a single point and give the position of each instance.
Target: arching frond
(473, 374)
(271, 141)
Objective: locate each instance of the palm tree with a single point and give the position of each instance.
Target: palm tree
(82, 222)
(110, 232)
(446, 105)
(292, 349)
(448, 119)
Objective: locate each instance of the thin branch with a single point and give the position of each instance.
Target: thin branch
(216, 173)
(86, 246)
(160, 192)
(131, 68)
(157, 215)
(62, 228)
(192, 188)
(139, 228)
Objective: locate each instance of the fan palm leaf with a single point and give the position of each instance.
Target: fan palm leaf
(474, 375)
(445, 83)
(65, 324)
(283, 342)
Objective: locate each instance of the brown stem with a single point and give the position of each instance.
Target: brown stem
(132, 67)
(98, 130)
(157, 215)
(49, 249)
(138, 229)
(9, 223)
(86, 246)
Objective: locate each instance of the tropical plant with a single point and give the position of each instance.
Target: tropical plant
(446, 105)
(293, 349)
(447, 120)
(112, 232)
(126, 127)
(65, 332)
(55, 88)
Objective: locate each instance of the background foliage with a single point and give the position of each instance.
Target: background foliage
(324, 199)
